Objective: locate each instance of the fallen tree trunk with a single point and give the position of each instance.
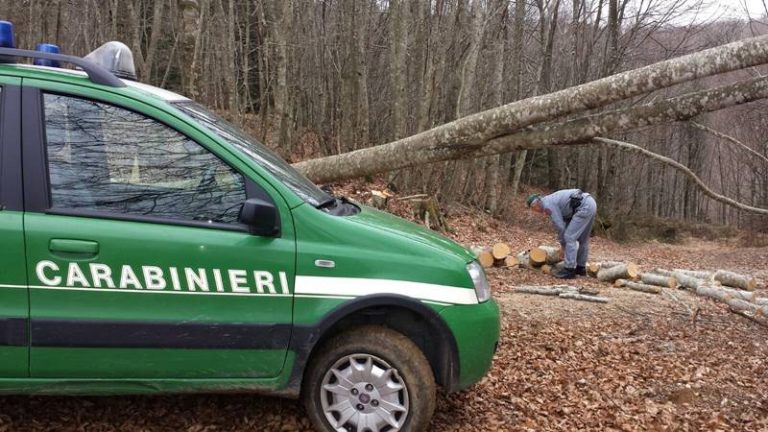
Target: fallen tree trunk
(761, 301)
(622, 271)
(442, 142)
(735, 280)
(658, 280)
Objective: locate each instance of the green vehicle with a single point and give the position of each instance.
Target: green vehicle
(151, 247)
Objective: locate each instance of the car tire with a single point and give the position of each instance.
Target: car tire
(362, 379)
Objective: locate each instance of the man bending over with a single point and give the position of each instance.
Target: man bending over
(572, 212)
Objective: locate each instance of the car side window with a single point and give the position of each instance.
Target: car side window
(108, 159)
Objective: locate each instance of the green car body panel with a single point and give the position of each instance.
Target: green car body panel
(111, 305)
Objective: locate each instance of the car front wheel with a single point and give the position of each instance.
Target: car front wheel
(371, 379)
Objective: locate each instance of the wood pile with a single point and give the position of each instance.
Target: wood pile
(730, 288)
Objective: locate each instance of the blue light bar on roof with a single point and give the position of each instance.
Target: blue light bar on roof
(47, 48)
(6, 35)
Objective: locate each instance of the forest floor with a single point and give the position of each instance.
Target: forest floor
(639, 362)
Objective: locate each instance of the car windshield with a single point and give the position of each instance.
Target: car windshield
(273, 163)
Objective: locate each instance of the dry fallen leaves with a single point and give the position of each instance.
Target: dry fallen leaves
(635, 364)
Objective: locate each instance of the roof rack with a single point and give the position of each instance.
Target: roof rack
(96, 73)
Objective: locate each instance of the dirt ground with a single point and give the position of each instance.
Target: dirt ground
(639, 362)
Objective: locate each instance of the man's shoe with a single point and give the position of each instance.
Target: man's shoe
(581, 270)
(566, 273)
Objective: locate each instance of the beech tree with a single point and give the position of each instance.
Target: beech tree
(322, 78)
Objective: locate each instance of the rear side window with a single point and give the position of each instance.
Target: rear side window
(108, 159)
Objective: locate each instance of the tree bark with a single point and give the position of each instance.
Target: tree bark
(688, 281)
(622, 271)
(466, 133)
(736, 280)
(658, 280)
(650, 289)
(399, 39)
(546, 255)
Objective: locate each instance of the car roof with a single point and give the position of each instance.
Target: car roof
(53, 72)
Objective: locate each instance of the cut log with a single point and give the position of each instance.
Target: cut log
(554, 268)
(483, 255)
(622, 271)
(608, 264)
(582, 297)
(509, 261)
(651, 289)
(736, 280)
(761, 301)
(663, 272)
(699, 274)
(658, 280)
(724, 294)
(485, 258)
(619, 283)
(593, 268)
(738, 305)
(500, 250)
(688, 281)
(546, 255)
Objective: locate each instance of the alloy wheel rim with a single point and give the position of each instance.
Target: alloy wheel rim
(363, 393)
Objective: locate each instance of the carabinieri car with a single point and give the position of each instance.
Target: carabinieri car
(149, 246)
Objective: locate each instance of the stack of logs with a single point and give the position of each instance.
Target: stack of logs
(735, 290)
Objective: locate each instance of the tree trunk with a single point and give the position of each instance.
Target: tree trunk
(460, 137)
(650, 289)
(398, 10)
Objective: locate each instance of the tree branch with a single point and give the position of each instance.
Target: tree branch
(685, 170)
(730, 139)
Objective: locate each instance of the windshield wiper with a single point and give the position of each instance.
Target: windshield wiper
(328, 202)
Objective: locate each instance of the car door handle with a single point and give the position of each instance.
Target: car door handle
(80, 247)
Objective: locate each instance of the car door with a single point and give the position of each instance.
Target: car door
(14, 306)
(138, 265)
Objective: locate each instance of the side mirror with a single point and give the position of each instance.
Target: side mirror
(261, 217)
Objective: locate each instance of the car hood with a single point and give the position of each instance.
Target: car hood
(409, 231)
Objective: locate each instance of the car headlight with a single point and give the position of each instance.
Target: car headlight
(482, 289)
